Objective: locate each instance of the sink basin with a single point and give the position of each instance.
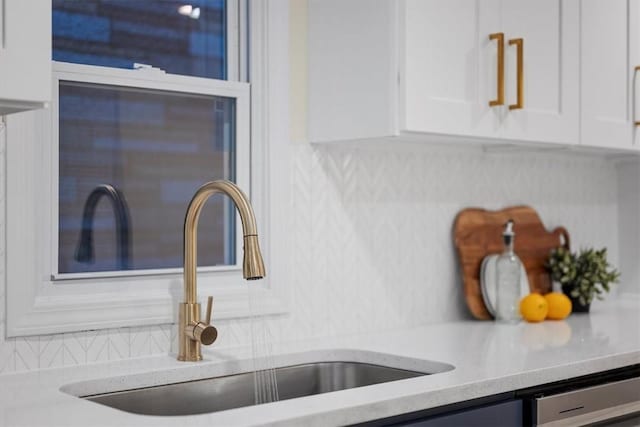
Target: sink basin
(235, 391)
(348, 369)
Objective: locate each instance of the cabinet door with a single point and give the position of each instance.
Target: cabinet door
(500, 414)
(448, 69)
(550, 105)
(634, 61)
(352, 74)
(25, 54)
(606, 75)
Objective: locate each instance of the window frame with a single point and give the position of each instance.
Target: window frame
(35, 305)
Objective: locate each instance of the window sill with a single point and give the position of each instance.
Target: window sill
(56, 310)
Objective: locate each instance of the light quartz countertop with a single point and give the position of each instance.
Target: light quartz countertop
(489, 359)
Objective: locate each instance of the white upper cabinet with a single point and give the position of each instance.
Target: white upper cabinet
(444, 67)
(352, 73)
(609, 54)
(633, 71)
(25, 54)
(542, 43)
(447, 67)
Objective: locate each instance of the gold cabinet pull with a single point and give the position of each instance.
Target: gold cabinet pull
(519, 43)
(499, 37)
(636, 122)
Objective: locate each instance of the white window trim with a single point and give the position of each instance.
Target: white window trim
(35, 305)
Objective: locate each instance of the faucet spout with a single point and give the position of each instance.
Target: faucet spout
(190, 327)
(253, 265)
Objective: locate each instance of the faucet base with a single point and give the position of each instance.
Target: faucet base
(189, 350)
(184, 359)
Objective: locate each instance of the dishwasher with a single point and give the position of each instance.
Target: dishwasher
(612, 404)
(612, 399)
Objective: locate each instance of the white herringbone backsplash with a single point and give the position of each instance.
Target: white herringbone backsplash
(372, 243)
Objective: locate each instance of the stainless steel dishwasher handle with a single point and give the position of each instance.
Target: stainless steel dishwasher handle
(589, 405)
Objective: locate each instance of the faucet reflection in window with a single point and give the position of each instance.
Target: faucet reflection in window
(84, 250)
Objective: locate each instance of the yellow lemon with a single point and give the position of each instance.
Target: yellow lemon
(534, 308)
(559, 305)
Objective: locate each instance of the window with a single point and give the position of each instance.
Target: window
(186, 39)
(48, 290)
(135, 144)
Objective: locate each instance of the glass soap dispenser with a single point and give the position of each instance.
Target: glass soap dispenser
(508, 271)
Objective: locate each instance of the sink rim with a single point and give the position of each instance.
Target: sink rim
(181, 372)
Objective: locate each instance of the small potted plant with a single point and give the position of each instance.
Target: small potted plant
(583, 276)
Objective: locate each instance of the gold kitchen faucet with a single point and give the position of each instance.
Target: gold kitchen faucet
(192, 331)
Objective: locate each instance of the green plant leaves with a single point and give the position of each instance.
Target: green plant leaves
(588, 273)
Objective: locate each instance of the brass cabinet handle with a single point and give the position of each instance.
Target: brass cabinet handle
(499, 37)
(519, 43)
(636, 122)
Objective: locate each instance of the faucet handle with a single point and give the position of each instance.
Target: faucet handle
(207, 319)
(203, 331)
(205, 334)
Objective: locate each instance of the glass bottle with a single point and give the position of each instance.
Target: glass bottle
(508, 271)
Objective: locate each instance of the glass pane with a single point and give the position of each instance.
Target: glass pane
(180, 37)
(130, 161)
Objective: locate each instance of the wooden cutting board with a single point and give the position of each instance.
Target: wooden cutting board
(478, 233)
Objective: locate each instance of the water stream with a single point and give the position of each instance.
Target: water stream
(264, 373)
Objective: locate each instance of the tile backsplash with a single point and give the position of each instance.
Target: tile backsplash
(371, 229)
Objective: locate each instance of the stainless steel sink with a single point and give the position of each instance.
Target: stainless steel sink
(235, 391)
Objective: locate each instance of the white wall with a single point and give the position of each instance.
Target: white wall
(629, 222)
(371, 231)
